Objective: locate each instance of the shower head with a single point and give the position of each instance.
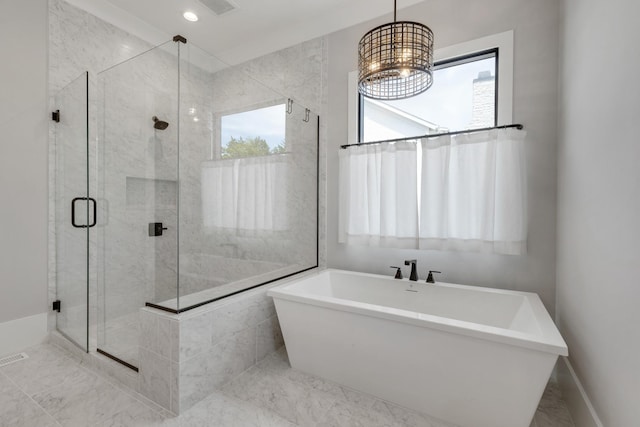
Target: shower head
(159, 124)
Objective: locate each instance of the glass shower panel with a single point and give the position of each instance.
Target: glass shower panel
(74, 210)
(196, 68)
(303, 129)
(248, 182)
(138, 190)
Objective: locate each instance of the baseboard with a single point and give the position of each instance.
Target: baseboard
(580, 407)
(18, 334)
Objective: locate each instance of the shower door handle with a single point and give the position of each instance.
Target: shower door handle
(73, 212)
(95, 211)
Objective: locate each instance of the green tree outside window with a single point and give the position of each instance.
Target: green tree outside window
(250, 147)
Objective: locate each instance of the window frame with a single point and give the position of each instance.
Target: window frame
(501, 43)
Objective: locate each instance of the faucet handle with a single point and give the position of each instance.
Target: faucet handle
(430, 276)
(398, 272)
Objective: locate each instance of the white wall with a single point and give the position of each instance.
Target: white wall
(599, 203)
(535, 24)
(23, 158)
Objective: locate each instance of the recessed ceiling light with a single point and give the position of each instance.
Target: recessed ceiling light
(190, 16)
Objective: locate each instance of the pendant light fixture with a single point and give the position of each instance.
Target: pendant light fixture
(395, 61)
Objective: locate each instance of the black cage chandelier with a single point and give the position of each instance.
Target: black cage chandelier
(395, 61)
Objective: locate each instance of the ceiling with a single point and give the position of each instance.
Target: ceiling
(254, 28)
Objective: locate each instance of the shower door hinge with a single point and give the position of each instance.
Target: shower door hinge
(56, 305)
(55, 116)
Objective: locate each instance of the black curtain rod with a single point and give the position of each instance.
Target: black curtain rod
(434, 135)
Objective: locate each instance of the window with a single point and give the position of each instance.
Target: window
(472, 89)
(253, 133)
(465, 192)
(245, 188)
(463, 96)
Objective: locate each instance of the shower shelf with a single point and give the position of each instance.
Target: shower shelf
(147, 192)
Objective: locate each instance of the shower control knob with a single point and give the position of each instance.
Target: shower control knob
(156, 229)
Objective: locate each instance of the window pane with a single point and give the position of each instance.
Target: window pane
(253, 133)
(462, 97)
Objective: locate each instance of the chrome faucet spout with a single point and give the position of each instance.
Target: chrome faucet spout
(414, 269)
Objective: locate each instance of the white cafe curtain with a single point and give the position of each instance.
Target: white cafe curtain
(473, 192)
(462, 192)
(247, 194)
(378, 195)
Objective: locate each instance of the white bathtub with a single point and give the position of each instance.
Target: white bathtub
(477, 357)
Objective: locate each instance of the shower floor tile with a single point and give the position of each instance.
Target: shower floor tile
(52, 389)
(119, 337)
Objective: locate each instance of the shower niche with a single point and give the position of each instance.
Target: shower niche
(194, 203)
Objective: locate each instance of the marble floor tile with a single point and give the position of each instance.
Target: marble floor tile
(552, 411)
(277, 363)
(221, 410)
(46, 367)
(18, 410)
(136, 414)
(298, 403)
(120, 337)
(343, 414)
(91, 401)
(553, 417)
(350, 401)
(270, 394)
(359, 399)
(408, 418)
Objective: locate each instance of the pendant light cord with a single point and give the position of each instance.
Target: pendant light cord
(394, 9)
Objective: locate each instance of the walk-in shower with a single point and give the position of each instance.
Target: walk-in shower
(188, 181)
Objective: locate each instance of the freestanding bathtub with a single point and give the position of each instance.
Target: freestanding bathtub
(477, 357)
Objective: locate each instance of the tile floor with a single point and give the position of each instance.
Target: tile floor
(52, 389)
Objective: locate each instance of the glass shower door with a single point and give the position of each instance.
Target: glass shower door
(74, 213)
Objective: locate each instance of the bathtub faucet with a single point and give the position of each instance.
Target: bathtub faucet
(414, 269)
(430, 276)
(398, 272)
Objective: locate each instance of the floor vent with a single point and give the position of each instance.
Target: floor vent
(218, 7)
(12, 359)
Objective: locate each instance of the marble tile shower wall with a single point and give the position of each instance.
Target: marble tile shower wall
(187, 357)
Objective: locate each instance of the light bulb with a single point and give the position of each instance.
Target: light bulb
(405, 72)
(374, 66)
